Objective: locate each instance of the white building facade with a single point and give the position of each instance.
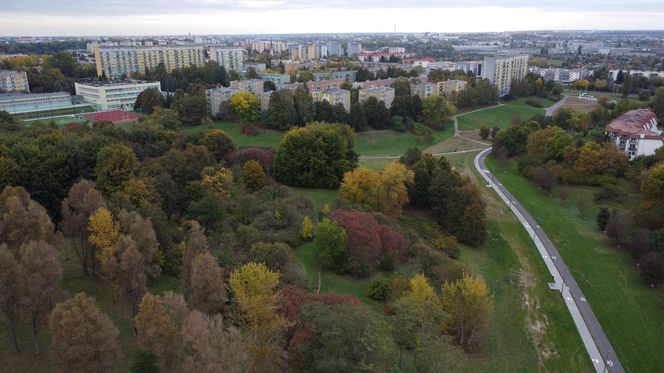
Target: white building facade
(635, 133)
(113, 95)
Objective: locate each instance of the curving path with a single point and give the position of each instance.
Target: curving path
(597, 344)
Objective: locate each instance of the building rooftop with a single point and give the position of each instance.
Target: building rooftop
(13, 96)
(103, 83)
(636, 124)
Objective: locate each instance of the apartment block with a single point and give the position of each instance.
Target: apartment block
(334, 48)
(384, 94)
(502, 70)
(354, 48)
(333, 96)
(229, 58)
(279, 80)
(108, 95)
(217, 100)
(254, 86)
(450, 88)
(13, 81)
(120, 62)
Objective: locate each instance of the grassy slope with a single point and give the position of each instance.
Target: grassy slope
(630, 313)
(501, 116)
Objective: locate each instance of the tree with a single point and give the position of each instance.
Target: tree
(81, 202)
(484, 132)
(357, 119)
(330, 242)
(253, 175)
(103, 230)
(281, 113)
(514, 139)
(9, 291)
(343, 338)
(315, 156)
(208, 294)
(218, 143)
(191, 109)
(142, 232)
(375, 112)
(436, 110)
(148, 100)
(254, 286)
(144, 362)
(244, 107)
(307, 229)
(603, 218)
(158, 324)
(83, 338)
(164, 118)
(195, 243)
(116, 164)
(658, 103)
(471, 309)
(217, 182)
(23, 220)
(652, 185)
(303, 105)
(41, 274)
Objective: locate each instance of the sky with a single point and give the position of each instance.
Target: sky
(202, 17)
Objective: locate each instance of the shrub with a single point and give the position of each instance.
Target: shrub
(378, 288)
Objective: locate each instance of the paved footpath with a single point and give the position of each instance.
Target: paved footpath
(597, 344)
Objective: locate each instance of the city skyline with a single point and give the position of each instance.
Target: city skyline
(150, 17)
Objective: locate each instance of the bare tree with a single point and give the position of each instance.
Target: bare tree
(9, 291)
(195, 243)
(207, 284)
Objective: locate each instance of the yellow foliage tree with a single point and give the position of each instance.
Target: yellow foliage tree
(103, 229)
(254, 286)
(307, 228)
(244, 106)
(218, 181)
(420, 289)
(470, 306)
(384, 190)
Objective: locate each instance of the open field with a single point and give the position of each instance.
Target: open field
(630, 313)
(579, 104)
(500, 116)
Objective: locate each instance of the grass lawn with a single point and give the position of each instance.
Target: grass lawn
(319, 196)
(500, 116)
(372, 143)
(629, 312)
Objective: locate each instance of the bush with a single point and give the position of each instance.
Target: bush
(378, 288)
(534, 103)
(249, 129)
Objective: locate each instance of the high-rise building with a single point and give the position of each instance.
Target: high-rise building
(118, 62)
(217, 100)
(254, 86)
(108, 95)
(354, 48)
(229, 58)
(334, 48)
(502, 70)
(13, 81)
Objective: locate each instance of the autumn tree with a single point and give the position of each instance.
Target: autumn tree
(244, 107)
(254, 287)
(81, 202)
(208, 293)
(307, 228)
(83, 338)
(123, 265)
(217, 181)
(218, 143)
(102, 228)
(141, 231)
(41, 274)
(116, 164)
(195, 243)
(470, 306)
(10, 292)
(253, 175)
(384, 190)
(23, 220)
(158, 324)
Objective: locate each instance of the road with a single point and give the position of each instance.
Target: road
(597, 344)
(552, 109)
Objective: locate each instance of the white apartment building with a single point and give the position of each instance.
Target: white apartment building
(13, 81)
(113, 94)
(353, 49)
(561, 75)
(217, 99)
(254, 86)
(502, 70)
(635, 133)
(229, 58)
(613, 74)
(333, 96)
(120, 62)
(384, 94)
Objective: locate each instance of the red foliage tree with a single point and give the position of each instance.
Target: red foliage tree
(265, 156)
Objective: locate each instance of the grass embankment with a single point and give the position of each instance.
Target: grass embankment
(500, 116)
(630, 313)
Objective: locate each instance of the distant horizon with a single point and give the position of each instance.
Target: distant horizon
(325, 33)
(266, 17)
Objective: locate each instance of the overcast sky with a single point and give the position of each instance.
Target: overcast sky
(169, 17)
